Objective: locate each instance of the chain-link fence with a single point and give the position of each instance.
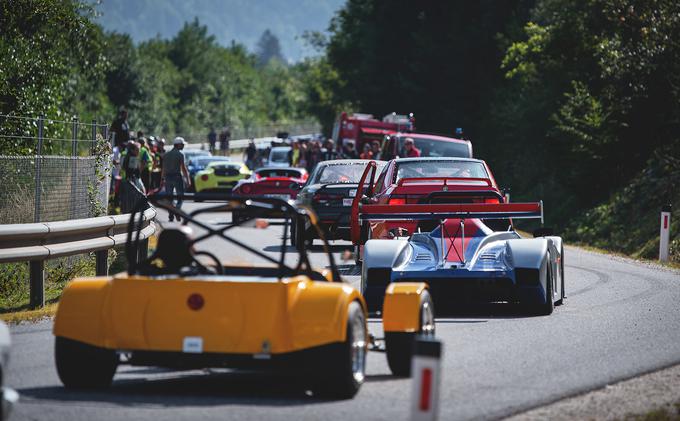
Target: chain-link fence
(56, 177)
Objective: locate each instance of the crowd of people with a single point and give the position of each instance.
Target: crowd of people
(306, 153)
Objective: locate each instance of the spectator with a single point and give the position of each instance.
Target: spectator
(131, 167)
(120, 128)
(175, 173)
(331, 152)
(349, 152)
(146, 162)
(294, 155)
(314, 156)
(302, 161)
(212, 139)
(375, 148)
(157, 164)
(366, 154)
(225, 136)
(249, 154)
(410, 149)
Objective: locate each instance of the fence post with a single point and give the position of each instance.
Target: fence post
(38, 169)
(94, 134)
(37, 287)
(102, 262)
(74, 160)
(664, 235)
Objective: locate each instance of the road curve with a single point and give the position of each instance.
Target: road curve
(621, 319)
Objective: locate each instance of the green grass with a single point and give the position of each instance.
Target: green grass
(14, 283)
(662, 414)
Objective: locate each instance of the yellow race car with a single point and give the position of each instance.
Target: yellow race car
(183, 308)
(220, 176)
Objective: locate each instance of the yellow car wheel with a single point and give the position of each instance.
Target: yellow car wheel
(83, 366)
(399, 345)
(348, 366)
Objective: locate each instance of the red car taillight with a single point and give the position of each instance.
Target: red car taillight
(491, 200)
(204, 177)
(397, 201)
(246, 188)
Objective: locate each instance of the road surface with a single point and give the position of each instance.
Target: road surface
(621, 319)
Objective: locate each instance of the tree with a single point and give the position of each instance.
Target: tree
(268, 48)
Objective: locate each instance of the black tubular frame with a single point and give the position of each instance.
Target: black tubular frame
(248, 208)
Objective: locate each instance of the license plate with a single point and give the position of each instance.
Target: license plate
(348, 202)
(192, 345)
(352, 193)
(278, 196)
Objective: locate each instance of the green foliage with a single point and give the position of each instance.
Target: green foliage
(575, 103)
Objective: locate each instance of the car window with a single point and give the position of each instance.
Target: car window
(279, 155)
(380, 181)
(440, 168)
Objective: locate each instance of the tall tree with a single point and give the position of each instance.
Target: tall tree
(268, 48)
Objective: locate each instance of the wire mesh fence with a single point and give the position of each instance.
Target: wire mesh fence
(47, 175)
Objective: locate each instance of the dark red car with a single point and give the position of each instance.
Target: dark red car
(272, 182)
(423, 181)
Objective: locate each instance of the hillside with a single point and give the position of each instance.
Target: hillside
(243, 21)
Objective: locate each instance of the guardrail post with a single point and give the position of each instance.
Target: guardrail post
(664, 236)
(102, 262)
(38, 169)
(37, 287)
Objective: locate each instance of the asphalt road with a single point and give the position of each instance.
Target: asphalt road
(621, 319)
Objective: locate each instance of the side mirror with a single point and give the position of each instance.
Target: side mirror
(543, 232)
(295, 186)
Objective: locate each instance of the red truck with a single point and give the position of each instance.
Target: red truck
(364, 128)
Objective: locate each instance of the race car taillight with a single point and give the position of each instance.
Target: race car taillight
(204, 177)
(321, 198)
(491, 200)
(397, 201)
(246, 188)
(195, 302)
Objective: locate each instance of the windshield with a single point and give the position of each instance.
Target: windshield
(203, 161)
(436, 148)
(279, 172)
(341, 173)
(440, 168)
(279, 155)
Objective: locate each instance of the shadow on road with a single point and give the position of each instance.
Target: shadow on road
(193, 388)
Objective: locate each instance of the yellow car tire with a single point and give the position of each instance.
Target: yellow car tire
(399, 345)
(347, 367)
(83, 366)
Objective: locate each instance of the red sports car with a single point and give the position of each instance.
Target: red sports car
(423, 181)
(272, 182)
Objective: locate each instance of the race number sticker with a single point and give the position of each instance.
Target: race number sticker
(193, 345)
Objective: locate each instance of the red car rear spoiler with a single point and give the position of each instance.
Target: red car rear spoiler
(445, 181)
(419, 212)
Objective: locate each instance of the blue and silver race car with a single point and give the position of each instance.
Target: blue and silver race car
(461, 258)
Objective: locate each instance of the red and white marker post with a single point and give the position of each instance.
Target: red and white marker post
(426, 374)
(664, 235)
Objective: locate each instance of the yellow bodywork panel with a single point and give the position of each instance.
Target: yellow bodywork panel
(401, 308)
(238, 315)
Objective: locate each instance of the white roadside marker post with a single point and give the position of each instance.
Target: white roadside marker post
(426, 372)
(664, 235)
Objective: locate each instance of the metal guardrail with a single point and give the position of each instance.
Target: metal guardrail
(39, 242)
